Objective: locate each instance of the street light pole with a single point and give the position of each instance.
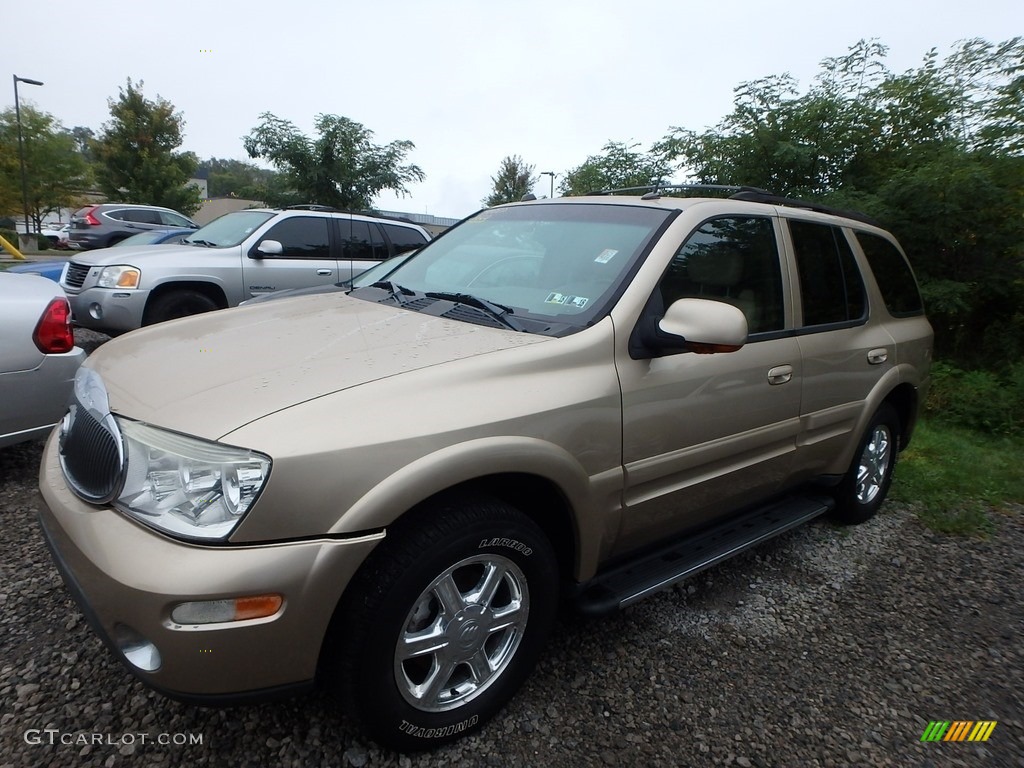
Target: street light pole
(552, 174)
(21, 145)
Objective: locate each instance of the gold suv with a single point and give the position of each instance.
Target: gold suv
(393, 489)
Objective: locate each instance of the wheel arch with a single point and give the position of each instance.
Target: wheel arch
(211, 290)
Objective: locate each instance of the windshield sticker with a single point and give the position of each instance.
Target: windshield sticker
(563, 298)
(606, 255)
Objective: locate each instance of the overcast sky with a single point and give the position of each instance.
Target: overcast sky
(468, 81)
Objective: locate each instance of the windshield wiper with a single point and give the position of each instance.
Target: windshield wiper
(205, 243)
(498, 311)
(398, 292)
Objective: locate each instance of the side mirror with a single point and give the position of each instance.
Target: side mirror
(701, 326)
(268, 248)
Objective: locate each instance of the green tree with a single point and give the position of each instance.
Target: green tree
(236, 178)
(136, 157)
(342, 167)
(618, 166)
(936, 153)
(514, 180)
(56, 174)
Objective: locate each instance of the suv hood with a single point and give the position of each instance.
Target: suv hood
(210, 374)
(128, 255)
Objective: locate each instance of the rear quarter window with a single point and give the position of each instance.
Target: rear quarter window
(831, 287)
(895, 279)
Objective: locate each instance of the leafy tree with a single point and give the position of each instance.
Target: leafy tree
(136, 157)
(55, 173)
(84, 137)
(514, 180)
(936, 153)
(619, 165)
(342, 167)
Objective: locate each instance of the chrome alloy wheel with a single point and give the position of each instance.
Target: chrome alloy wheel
(462, 632)
(874, 464)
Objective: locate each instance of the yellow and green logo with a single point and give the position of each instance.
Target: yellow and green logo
(958, 730)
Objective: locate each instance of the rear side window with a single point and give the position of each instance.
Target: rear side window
(893, 275)
(403, 238)
(733, 260)
(140, 215)
(831, 286)
(366, 242)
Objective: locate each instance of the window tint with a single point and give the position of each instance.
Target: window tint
(366, 242)
(302, 237)
(403, 238)
(830, 283)
(140, 215)
(735, 260)
(173, 219)
(893, 275)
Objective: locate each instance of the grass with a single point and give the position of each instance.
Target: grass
(956, 478)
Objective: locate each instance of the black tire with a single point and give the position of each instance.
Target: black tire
(427, 576)
(865, 485)
(178, 303)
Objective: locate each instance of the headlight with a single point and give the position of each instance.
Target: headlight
(186, 486)
(119, 277)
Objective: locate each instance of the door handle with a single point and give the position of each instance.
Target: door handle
(324, 272)
(780, 374)
(878, 356)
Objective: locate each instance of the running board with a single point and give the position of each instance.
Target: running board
(658, 570)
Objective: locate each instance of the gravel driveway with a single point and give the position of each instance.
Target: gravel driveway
(826, 647)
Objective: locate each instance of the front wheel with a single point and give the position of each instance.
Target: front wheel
(443, 623)
(178, 303)
(865, 485)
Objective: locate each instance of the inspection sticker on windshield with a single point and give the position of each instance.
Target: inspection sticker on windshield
(563, 298)
(606, 255)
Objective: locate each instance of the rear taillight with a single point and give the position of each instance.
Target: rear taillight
(53, 332)
(91, 220)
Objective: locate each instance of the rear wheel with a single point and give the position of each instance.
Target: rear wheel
(443, 623)
(178, 303)
(864, 488)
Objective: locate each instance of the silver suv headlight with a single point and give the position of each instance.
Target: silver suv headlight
(119, 276)
(186, 486)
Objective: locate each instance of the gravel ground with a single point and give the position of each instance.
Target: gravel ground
(826, 647)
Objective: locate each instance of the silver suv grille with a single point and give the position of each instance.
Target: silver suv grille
(76, 275)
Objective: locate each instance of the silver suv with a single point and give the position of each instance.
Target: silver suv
(107, 224)
(391, 490)
(233, 258)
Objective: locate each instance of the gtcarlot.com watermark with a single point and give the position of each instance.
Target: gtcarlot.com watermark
(55, 737)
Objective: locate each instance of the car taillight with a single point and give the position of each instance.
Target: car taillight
(91, 220)
(53, 332)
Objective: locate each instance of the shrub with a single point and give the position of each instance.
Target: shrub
(43, 242)
(988, 401)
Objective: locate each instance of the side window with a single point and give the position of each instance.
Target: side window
(403, 238)
(173, 219)
(831, 287)
(302, 237)
(121, 215)
(366, 242)
(893, 275)
(141, 215)
(735, 260)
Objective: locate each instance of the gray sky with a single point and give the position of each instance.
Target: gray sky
(468, 81)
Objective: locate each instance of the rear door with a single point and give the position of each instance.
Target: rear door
(363, 246)
(306, 259)
(705, 433)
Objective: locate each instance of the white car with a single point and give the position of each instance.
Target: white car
(38, 357)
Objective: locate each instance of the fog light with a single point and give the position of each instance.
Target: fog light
(95, 311)
(139, 651)
(217, 611)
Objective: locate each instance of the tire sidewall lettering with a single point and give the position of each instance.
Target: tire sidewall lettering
(421, 732)
(513, 544)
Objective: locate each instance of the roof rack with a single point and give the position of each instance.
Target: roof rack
(747, 194)
(331, 209)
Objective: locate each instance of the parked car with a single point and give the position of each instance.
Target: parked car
(233, 258)
(38, 357)
(392, 489)
(106, 224)
(51, 270)
(155, 237)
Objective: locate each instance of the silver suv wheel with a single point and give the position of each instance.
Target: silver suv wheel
(874, 464)
(462, 632)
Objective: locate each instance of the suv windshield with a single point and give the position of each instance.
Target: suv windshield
(229, 230)
(558, 263)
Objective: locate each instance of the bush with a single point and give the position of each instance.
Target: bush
(987, 401)
(43, 242)
(10, 236)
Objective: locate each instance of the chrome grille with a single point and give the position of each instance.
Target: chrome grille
(76, 275)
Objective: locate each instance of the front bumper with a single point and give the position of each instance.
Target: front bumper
(127, 579)
(108, 309)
